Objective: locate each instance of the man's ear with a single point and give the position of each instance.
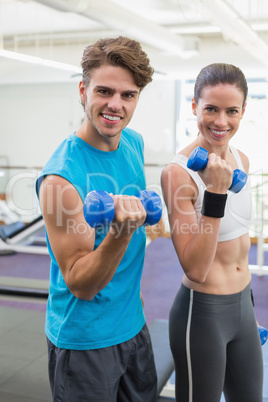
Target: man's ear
(82, 92)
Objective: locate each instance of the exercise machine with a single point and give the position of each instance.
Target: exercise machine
(23, 238)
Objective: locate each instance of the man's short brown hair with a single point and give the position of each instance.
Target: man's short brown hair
(119, 52)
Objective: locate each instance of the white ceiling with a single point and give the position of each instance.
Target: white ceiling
(180, 36)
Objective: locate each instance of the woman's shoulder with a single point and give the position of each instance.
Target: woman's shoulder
(244, 159)
(176, 171)
(178, 164)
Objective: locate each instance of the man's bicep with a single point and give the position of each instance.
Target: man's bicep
(69, 235)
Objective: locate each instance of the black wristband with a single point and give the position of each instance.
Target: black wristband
(213, 204)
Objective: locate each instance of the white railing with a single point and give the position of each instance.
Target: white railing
(259, 230)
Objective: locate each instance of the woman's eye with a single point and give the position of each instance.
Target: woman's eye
(232, 111)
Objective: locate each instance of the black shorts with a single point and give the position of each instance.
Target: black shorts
(120, 373)
(216, 347)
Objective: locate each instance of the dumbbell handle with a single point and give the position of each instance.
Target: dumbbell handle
(198, 161)
(263, 332)
(99, 208)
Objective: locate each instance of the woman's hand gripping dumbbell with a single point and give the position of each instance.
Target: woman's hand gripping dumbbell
(198, 161)
(99, 209)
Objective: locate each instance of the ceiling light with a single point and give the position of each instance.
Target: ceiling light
(38, 60)
(234, 28)
(195, 29)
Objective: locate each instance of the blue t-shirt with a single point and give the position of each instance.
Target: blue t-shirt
(115, 314)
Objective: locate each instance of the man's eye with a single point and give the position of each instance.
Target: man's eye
(210, 109)
(128, 96)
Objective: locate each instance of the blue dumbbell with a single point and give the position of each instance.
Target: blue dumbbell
(263, 334)
(198, 161)
(99, 208)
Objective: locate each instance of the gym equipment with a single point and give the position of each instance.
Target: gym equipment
(24, 275)
(23, 238)
(99, 208)
(263, 334)
(198, 161)
(24, 292)
(164, 362)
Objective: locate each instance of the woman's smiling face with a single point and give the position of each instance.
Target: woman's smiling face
(219, 111)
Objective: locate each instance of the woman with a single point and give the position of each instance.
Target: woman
(213, 331)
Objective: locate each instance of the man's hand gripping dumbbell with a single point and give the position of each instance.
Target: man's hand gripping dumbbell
(102, 209)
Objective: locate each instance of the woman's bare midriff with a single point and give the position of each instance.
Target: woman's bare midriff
(230, 272)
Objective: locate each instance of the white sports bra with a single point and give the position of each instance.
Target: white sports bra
(238, 209)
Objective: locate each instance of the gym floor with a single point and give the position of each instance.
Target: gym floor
(23, 354)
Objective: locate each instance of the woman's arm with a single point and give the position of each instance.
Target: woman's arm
(195, 242)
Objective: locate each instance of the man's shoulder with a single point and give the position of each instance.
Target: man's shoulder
(132, 136)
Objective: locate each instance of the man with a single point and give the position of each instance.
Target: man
(98, 343)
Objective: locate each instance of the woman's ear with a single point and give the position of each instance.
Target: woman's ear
(243, 110)
(194, 106)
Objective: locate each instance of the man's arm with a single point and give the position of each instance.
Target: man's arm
(86, 272)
